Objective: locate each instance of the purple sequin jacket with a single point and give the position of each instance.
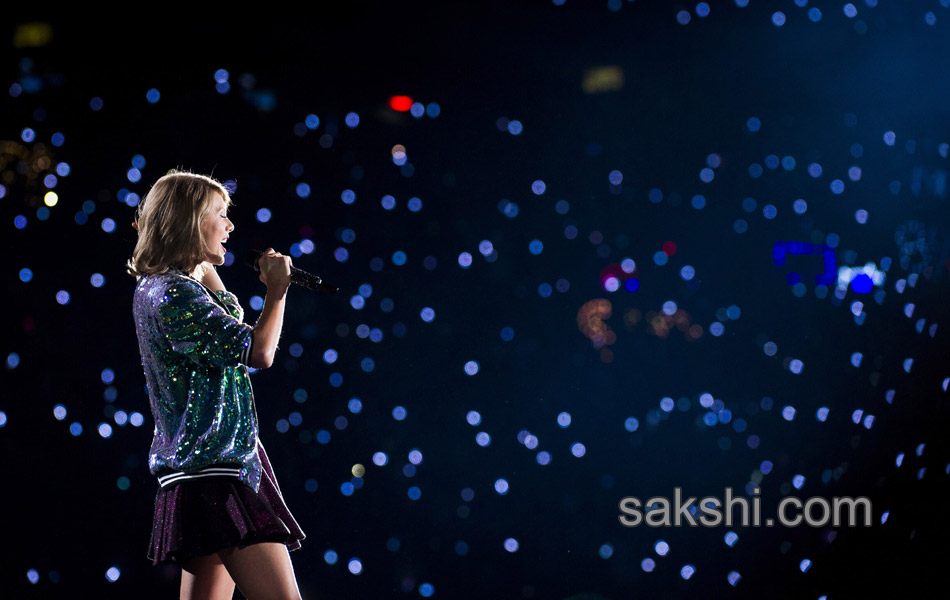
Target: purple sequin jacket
(194, 347)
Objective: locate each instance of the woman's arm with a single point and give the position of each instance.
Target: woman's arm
(275, 273)
(268, 328)
(198, 328)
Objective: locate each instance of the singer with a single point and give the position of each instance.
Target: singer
(219, 513)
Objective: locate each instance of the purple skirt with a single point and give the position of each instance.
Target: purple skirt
(203, 516)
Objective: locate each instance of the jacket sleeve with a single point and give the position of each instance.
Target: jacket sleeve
(231, 301)
(198, 328)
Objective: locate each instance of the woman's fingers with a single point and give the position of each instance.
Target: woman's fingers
(274, 268)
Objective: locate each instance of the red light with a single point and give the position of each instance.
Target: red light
(669, 248)
(400, 103)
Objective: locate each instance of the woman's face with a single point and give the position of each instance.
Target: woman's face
(215, 227)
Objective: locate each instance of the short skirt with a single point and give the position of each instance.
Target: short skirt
(202, 516)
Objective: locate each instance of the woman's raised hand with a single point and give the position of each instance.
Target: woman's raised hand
(275, 270)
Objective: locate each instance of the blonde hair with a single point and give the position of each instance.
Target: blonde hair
(168, 221)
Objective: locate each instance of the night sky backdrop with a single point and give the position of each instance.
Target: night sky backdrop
(585, 250)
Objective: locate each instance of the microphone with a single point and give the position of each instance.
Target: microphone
(297, 276)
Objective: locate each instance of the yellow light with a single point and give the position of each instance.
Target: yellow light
(602, 79)
(358, 470)
(50, 199)
(32, 35)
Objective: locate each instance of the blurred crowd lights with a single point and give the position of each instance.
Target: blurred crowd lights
(591, 320)
(400, 103)
(850, 276)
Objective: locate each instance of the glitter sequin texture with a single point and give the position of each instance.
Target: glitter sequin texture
(193, 343)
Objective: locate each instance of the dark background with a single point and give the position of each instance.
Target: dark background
(818, 89)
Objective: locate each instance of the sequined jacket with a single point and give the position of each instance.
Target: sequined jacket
(195, 348)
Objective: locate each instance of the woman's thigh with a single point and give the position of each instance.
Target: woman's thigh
(206, 578)
(262, 571)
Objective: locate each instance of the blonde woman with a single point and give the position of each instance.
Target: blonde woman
(219, 513)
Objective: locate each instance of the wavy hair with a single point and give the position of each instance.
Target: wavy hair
(168, 221)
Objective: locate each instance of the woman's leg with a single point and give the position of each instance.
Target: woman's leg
(206, 578)
(262, 571)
